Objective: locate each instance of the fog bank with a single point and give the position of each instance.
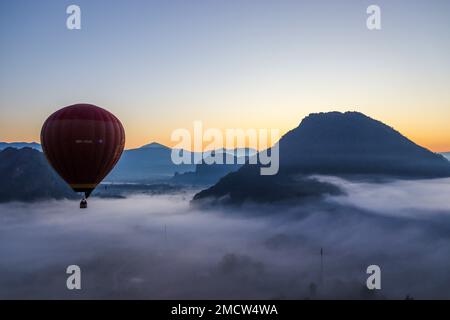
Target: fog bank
(158, 247)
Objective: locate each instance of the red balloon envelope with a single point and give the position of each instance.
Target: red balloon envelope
(83, 143)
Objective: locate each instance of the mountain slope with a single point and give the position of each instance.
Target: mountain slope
(335, 144)
(27, 176)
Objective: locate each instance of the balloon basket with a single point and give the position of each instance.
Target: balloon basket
(83, 204)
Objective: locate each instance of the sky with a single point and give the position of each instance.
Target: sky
(160, 65)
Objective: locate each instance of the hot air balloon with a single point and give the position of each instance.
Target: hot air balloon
(82, 142)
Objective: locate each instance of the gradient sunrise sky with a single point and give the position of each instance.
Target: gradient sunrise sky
(160, 65)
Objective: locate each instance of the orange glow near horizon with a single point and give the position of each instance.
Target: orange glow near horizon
(276, 64)
(432, 138)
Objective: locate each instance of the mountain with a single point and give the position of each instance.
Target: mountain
(247, 185)
(154, 145)
(447, 155)
(27, 176)
(331, 143)
(151, 162)
(208, 174)
(352, 143)
(20, 145)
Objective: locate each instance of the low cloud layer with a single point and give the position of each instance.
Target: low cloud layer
(158, 247)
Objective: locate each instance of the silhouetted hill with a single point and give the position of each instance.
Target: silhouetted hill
(20, 145)
(148, 163)
(352, 143)
(333, 144)
(208, 174)
(27, 176)
(248, 185)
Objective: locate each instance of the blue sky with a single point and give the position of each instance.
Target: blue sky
(159, 65)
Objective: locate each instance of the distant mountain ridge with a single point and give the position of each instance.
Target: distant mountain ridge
(208, 174)
(153, 162)
(154, 145)
(150, 162)
(331, 143)
(20, 145)
(27, 176)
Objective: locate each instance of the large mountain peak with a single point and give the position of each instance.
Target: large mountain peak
(332, 143)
